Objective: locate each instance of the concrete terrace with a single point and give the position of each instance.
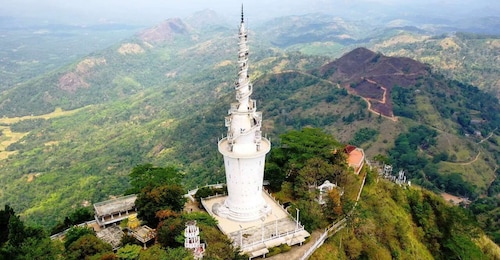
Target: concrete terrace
(256, 237)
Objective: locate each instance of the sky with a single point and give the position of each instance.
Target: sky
(146, 12)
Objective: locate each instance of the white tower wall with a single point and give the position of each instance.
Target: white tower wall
(244, 149)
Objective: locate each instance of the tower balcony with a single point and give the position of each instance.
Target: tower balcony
(250, 90)
(253, 105)
(243, 61)
(258, 136)
(258, 115)
(230, 149)
(241, 83)
(243, 35)
(243, 54)
(243, 48)
(251, 109)
(233, 108)
(242, 70)
(240, 96)
(230, 137)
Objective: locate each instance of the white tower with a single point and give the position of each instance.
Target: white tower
(192, 239)
(244, 149)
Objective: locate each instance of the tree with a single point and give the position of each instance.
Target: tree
(334, 205)
(150, 201)
(202, 218)
(40, 248)
(104, 256)
(17, 233)
(220, 247)
(23, 242)
(148, 176)
(75, 233)
(315, 171)
(5, 216)
(296, 148)
(274, 174)
(78, 216)
(180, 253)
(86, 246)
(206, 191)
(154, 252)
(129, 252)
(353, 247)
(310, 214)
(170, 231)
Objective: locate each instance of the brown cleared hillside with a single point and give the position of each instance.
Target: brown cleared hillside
(372, 76)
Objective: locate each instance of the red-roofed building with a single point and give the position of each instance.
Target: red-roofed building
(355, 157)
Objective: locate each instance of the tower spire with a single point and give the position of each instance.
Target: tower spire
(242, 19)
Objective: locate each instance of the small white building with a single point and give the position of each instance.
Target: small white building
(324, 189)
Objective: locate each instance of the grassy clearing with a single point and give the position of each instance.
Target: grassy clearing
(57, 113)
(478, 172)
(429, 113)
(8, 137)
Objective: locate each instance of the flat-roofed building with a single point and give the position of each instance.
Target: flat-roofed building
(114, 210)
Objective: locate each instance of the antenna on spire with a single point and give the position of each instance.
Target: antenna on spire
(242, 13)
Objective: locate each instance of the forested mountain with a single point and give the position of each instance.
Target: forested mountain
(467, 51)
(160, 97)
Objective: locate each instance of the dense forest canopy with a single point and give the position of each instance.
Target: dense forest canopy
(72, 134)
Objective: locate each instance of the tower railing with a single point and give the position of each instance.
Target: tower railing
(240, 96)
(252, 107)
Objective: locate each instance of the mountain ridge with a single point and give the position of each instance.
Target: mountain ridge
(165, 105)
(164, 32)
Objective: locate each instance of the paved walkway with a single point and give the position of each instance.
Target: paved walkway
(297, 251)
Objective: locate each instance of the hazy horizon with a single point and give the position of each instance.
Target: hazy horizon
(148, 12)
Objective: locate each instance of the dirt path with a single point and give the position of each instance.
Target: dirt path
(393, 118)
(491, 182)
(473, 160)
(382, 87)
(384, 98)
(488, 137)
(297, 251)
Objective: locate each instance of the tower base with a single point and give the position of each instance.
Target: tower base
(223, 210)
(255, 237)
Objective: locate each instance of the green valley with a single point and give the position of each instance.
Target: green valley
(71, 136)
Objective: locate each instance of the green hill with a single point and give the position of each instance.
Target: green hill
(407, 223)
(161, 99)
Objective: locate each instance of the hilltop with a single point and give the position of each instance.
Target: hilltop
(165, 31)
(163, 102)
(372, 76)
